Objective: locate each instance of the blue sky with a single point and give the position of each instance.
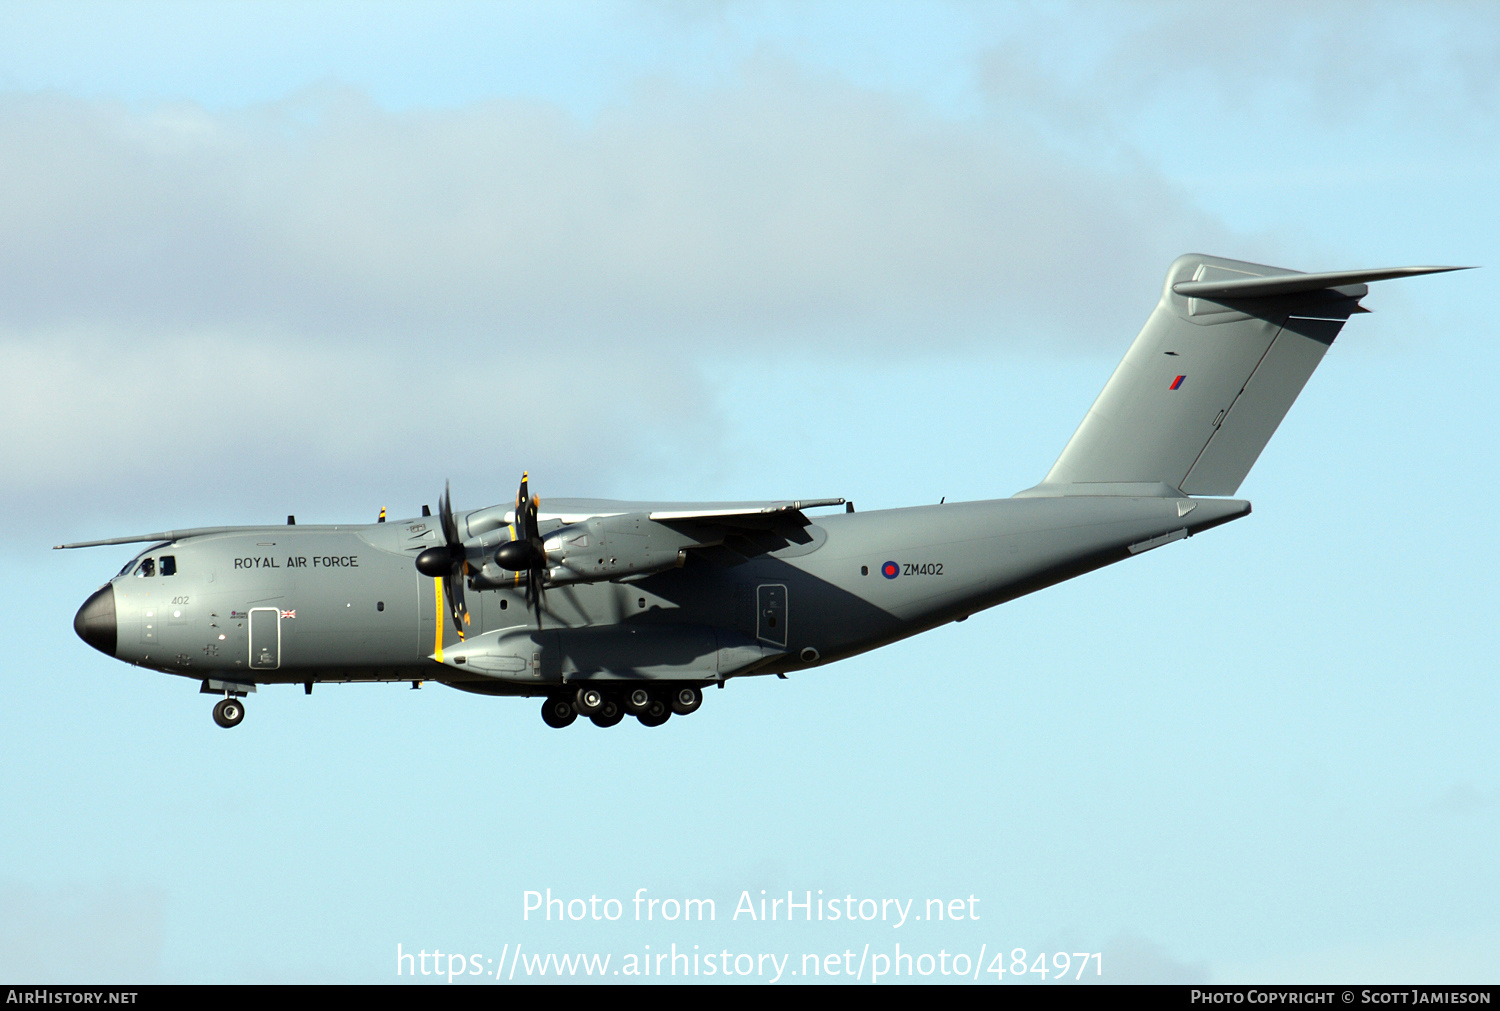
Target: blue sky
(261, 259)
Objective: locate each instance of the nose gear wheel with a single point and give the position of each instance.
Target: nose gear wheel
(229, 712)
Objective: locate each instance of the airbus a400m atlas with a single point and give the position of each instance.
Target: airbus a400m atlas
(607, 608)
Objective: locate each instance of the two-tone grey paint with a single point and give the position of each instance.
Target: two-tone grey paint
(665, 595)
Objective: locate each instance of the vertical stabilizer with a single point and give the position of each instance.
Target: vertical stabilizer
(1209, 378)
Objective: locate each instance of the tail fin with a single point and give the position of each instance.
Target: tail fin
(1209, 378)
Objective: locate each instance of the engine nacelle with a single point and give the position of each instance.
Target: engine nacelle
(612, 547)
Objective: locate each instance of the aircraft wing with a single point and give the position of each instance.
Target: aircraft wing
(731, 534)
(163, 536)
(166, 536)
(755, 515)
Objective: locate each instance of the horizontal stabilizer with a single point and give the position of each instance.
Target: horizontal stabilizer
(1297, 284)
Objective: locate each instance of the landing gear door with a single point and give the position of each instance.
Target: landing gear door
(770, 611)
(265, 638)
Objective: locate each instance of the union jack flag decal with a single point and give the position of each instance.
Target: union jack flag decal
(289, 614)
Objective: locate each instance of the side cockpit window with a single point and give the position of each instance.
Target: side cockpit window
(149, 566)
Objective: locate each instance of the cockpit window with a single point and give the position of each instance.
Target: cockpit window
(146, 568)
(169, 565)
(128, 566)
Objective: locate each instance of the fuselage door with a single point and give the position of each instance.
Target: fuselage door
(265, 638)
(770, 621)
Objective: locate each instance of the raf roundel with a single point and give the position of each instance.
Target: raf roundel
(890, 570)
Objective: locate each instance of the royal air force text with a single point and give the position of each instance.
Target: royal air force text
(300, 562)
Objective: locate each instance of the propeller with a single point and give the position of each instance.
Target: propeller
(526, 553)
(448, 562)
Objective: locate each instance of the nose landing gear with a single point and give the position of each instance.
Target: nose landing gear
(228, 712)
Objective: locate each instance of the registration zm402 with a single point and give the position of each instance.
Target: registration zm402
(921, 568)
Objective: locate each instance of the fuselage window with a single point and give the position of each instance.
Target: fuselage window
(169, 565)
(146, 568)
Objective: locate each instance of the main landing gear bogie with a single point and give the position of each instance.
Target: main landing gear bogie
(609, 714)
(606, 707)
(558, 712)
(588, 701)
(686, 700)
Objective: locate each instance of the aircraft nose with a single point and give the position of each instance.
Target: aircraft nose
(95, 621)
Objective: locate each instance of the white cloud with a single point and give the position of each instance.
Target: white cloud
(781, 204)
(326, 286)
(1220, 66)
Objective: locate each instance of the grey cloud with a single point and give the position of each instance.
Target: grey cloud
(1128, 957)
(1463, 798)
(1134, 959)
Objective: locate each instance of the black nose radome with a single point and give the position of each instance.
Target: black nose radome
(95, 621)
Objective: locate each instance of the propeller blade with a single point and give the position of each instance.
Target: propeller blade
(534, 590)
(448, 561)
(527, 551)
(445, 517)
(526, 504)
(453, 587)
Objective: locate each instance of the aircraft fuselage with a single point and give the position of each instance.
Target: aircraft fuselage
(301, 604)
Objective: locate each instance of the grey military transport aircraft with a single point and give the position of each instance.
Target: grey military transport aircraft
(609, 608)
